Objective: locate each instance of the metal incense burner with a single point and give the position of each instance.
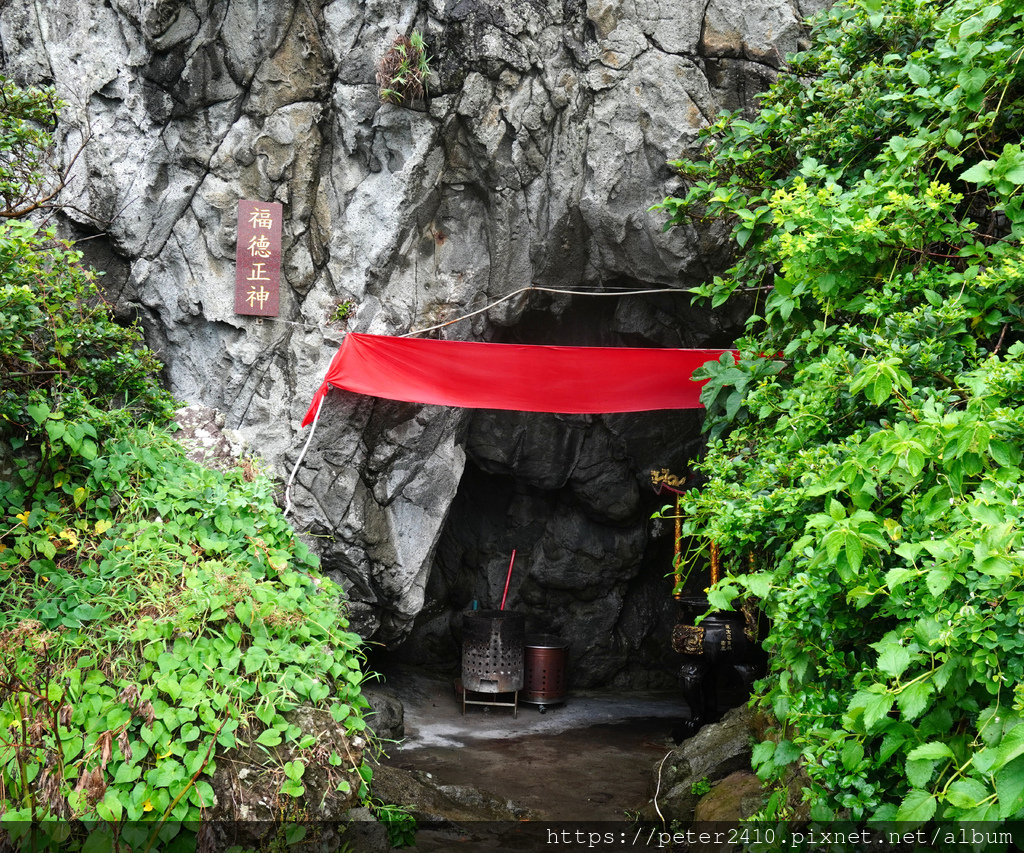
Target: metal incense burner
(493, 643)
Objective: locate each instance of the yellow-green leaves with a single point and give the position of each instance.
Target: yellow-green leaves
(878, 380)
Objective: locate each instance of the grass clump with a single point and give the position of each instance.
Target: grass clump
(403, 70)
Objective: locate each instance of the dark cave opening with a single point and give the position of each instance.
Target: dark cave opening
(573, 496)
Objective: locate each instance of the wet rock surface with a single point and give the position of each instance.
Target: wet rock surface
(715, 752)
(386, 716)
(535, 159)
(202, 433)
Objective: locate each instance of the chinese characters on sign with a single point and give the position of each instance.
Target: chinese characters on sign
(258, 269)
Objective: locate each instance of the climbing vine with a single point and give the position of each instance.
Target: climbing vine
(867, 445)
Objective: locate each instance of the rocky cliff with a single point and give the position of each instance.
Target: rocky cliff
(534, 158)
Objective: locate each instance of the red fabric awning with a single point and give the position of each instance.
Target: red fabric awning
(569, 380)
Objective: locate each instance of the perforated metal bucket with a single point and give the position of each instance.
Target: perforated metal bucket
(492, 651)
(546, 658)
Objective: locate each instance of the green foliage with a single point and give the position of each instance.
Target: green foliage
(66, 364)
(343, 311)
(700, 787)
(403, 70)
(137, 643)
(153, 613)
(400, 824)
(28, 179)
(866, 447)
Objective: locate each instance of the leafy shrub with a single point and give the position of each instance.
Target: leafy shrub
(400, 824)
(71, 374)
(29, 178)
(153, 613)
(867, 446)
(137, 642)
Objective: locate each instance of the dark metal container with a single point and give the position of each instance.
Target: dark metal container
(546, 658)
(492, 651)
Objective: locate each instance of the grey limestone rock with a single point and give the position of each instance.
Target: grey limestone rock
(202, 432)
(535, 159)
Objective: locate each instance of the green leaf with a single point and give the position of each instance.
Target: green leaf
(1005, 454)
(933, 750)
(202, 795)
(918, 75)
(109, 808)
(786, 752)
(917, 807)
(979, 173)
(894, 660)
(127, 773)
(938, 581)
(971, 27)
(1011, 746)
(39, 412)
(852, 755)
(972, 79)
(874, 703)
(1009, 784)
(255, 658)
(243, 612)
(967, 793)
(914, 700)
(896, 577)
(292, 788)
(269, 737)
(167, 773)
(919, 771)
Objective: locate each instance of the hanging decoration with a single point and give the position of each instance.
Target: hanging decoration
(568, 380)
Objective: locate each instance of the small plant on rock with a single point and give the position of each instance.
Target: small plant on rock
(701, 787)
(400, 824)
(342, 312)
(403, 70)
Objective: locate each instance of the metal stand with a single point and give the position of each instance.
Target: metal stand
(514, 704)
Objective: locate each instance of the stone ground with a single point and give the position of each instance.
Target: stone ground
(587, 762)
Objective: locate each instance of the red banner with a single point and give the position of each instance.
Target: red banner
(570, 380)
(258, 258)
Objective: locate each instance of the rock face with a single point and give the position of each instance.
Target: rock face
(430, 802)
(534, 160)
(201, 432)
(716, 752)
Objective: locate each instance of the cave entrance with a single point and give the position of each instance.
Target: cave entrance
(572, 494)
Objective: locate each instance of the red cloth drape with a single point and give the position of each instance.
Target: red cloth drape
(570, 380)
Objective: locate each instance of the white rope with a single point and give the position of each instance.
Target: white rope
(657, 790)
(298, 462)
(546, 290)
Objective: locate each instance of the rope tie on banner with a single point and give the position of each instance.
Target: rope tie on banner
(488, 307)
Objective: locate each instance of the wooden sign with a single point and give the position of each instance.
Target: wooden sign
(258, 258)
